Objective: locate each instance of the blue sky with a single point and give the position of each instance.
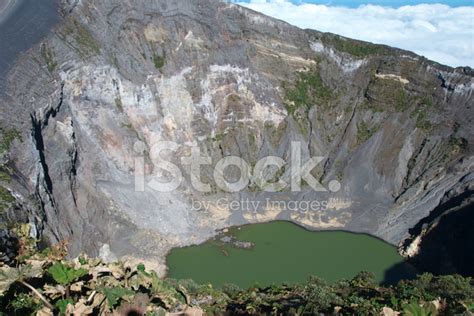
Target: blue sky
(442, 31)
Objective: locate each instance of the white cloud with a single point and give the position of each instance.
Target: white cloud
(436, 31)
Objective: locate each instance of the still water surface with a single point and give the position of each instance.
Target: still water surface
(285, 252)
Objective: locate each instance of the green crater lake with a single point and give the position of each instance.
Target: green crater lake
(285, 253)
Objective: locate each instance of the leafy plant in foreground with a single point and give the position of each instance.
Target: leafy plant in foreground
(45, 283)
(65, 275)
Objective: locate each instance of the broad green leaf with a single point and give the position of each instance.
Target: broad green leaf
(65, 275)
(115, 294)
(164, 291)
(141, 267)
(470, 307)
(61, 305)
(414, 309)
(82, 260)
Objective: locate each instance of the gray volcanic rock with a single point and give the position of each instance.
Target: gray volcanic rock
(116, 77)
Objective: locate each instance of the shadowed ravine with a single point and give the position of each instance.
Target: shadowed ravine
(448, 248)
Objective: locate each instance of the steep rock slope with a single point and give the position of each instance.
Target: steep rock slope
(117, 77)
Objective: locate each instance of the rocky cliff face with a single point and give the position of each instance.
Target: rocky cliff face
(116, 77)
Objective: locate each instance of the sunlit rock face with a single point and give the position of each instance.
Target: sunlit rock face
(117, 78)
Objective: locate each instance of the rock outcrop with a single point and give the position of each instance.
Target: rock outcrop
(116, 77)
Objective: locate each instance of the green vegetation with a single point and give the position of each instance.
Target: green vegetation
(364, 132)
(422, 122)
(427, 102)
(275, 132)
(158, 61)
(114, 60)
(5, 174)
(350, 46)
(420, 114)
(128, 126)
(119, 104)
(456, 145)
(402, 101)
(23, 301)
(49, 58)
(89, 45)
(8, 136)
(373, 106)
(234, 98)
(252, 140)
(217, 138)
(65, 275)
(86, 40)
(308, 91)
(6, 199)
(386, 95)
(45, 283)
(101, 288)
(348, 110)
(6, 141)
